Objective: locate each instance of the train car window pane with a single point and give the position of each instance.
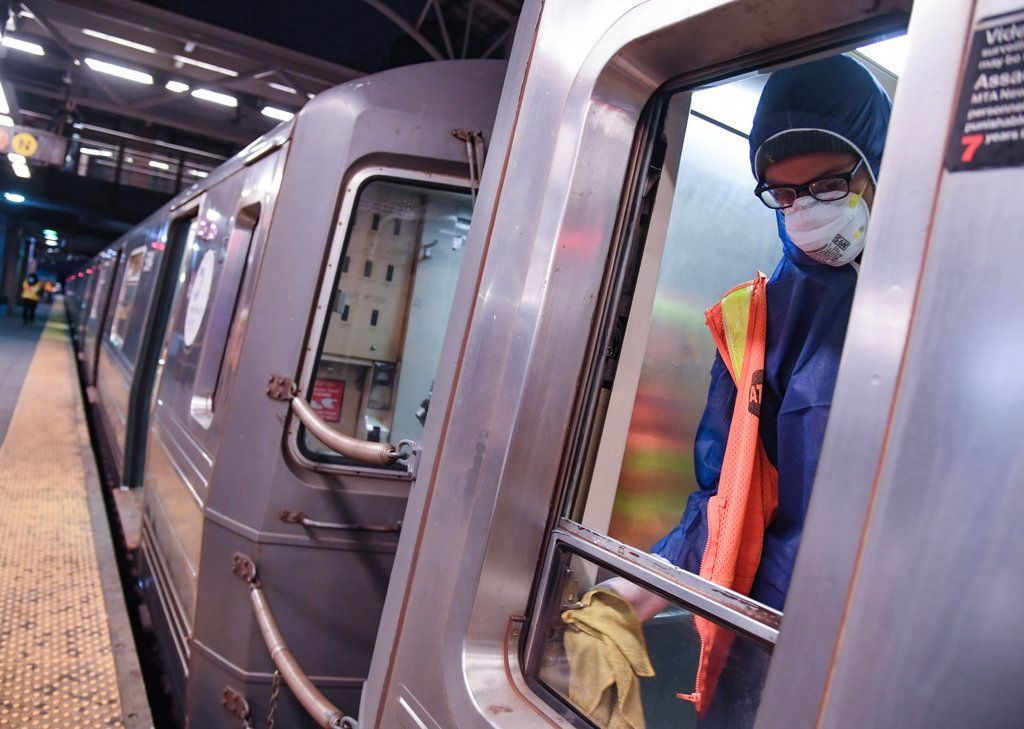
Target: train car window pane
(622, 668)
(129, 284)
(662, 404)
(382, 344)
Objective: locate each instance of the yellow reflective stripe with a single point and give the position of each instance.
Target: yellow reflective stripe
(735, 318)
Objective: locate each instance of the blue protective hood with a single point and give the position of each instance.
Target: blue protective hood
(808, 309)
(836, 95)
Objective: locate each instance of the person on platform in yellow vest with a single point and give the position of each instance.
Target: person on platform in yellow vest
(815, 151)
(31, 292)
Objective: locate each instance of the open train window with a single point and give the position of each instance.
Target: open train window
(385, 317)
(626, 589)
(126, 296)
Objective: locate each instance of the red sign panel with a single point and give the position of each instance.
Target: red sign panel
(327, 398)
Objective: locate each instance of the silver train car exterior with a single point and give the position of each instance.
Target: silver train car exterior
(567, 384)
(326, 252)
(618, 207)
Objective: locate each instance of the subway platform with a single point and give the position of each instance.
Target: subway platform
(67, 656)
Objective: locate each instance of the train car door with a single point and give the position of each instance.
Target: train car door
(218, 238)
(569, 459)
(336, 378)
(94, 323)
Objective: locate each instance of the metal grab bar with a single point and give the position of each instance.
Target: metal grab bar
(326, 714)
(382, 454)
(378, 454)
(301, 517)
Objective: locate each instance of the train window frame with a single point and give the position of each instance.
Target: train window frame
(323, 305)
(566, 531)
(246, 223)
(115, 340)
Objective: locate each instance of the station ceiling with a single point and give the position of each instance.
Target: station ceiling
(214, 75)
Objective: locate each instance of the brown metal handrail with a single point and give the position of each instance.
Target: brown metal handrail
(326, 714)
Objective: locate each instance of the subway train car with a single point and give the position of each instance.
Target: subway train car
(547, 445)
(312, 274)
(616, 208)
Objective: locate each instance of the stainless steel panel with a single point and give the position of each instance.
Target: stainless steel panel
(328, 588)
(902, 216)
(567, 148)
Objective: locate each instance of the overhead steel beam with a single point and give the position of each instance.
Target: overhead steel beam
(404, 24)
(185, 30)
(222, 132)
(444, 28)
(69, 49)
(164, 97)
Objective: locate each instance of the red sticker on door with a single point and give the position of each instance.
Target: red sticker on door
(327, 398)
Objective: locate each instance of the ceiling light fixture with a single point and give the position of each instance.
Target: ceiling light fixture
(202, 64)
(23, 45)
(16, 159)
(113, 69)
(198, 173)
(93, 152)
(5, 108)
(215, 97)
(22, 171)
(14, 197)
(158, 165)
(274, 113)
(119, 41)
(282, 87)
(177, 87)
(6, 121)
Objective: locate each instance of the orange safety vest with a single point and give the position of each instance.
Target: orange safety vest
(748, 487)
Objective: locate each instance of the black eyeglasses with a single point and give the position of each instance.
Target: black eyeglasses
(826, 189)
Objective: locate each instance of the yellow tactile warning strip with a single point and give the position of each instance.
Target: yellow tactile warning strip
(57, 660)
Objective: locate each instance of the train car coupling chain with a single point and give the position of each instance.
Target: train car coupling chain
(275, 692)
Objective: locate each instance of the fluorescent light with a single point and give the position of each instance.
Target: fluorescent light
(176, 86)
(14, 197)
(52, 242)
(120, 71)
(203, 64)
(274, 113)
(198, 173)
(5, 108)
(50, 233)
(215, 97)
(17, 159)
(157, 164)
(91, 152)
(24, 46)
(118, 41)
(6, 121)
(282, 87)
(22, 171)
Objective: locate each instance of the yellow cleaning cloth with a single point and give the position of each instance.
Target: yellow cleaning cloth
(604, 643)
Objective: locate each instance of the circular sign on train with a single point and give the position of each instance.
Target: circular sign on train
(198, 297)
(24, 144)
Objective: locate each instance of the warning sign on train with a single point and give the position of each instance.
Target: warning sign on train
(989, 127)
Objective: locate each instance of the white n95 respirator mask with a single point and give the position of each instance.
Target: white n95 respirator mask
(830, 232)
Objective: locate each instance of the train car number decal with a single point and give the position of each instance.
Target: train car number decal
(989, 128)
(198, 297)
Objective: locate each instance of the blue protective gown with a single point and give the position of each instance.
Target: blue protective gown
(808, 309)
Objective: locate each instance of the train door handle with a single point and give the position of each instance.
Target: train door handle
(378, 454)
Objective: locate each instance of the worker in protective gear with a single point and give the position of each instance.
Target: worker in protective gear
(815, 152)
(31, 292)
